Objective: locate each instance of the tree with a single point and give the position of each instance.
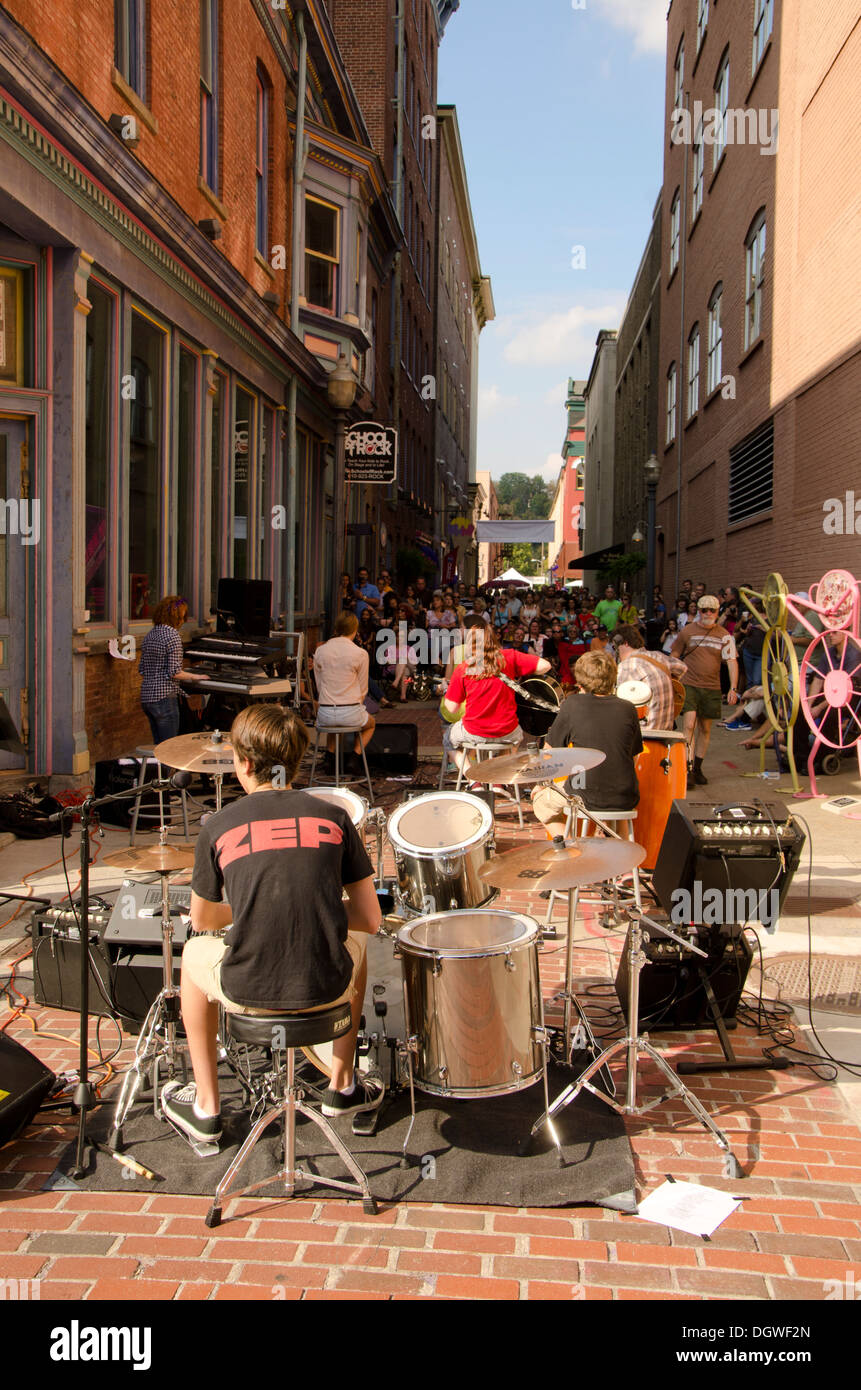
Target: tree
(522, 497)
(523, 557)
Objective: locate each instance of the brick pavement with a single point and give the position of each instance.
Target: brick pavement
(794, 1135)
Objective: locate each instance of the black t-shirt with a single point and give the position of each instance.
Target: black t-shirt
(611, 724)
(282, 858)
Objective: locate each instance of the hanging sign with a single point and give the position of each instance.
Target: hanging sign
(371, 453)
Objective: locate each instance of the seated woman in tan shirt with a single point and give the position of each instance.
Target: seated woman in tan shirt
(341, 673)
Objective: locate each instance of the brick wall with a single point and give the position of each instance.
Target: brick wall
(806, 360)
(115, 722)
(79, 38)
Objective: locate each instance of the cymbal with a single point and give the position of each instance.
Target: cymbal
(197, 753)
(559, 867)
(542, 766)
(154, 859)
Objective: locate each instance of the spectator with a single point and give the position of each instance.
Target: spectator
(607, 611)
(601, 641)
(669, 635)
(367, 594)
(703, 646)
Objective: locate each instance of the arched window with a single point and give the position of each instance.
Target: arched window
(671, 403)
(721, 105)
(694, 371)
(697, 173)
(261, 162)
(675, 230)
(754, 279)
(715, 363)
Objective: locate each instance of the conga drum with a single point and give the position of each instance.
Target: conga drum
(662, 773)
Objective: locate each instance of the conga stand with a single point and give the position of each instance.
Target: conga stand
(634, 1044)
(157, 1043)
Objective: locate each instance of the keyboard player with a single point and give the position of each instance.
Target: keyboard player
(161, 668)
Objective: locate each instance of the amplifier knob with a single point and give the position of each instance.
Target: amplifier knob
(736, 830)
(748, 830)
(707, 830)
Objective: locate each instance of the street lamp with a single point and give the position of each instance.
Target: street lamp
(652, 471)
(341, 391)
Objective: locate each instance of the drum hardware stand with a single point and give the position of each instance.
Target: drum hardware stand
(377, 818)
(367, 1120)
(157, 1041)
(634, 1044)
(570, 999)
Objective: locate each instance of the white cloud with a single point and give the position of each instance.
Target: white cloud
(563, 338)
(646, 19)
(549, 470)
(556, 394)
(491, 401)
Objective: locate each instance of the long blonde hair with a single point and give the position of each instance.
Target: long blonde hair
(483, 656)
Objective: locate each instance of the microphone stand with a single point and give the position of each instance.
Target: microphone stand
(84, 1097)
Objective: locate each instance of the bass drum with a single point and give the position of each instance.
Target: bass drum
(662, 772)
(473, 1002)
(534, 720)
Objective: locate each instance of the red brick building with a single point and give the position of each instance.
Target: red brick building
(759, 419)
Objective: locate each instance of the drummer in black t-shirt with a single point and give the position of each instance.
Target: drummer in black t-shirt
(281, 859)
(595, 718)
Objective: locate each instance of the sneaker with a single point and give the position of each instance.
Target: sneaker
(367, 1095)
(741, 722)
(177, 1102)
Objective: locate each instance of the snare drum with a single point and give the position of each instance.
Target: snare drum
(662, 774)
(440, 842)
(473, 1002)
(355, 806)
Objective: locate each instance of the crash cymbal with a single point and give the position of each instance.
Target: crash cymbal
(540, 766)
(204, 752)
(154, 859)
(560, 867)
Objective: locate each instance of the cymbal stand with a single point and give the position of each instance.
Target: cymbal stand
(157, 1042)
(633, 1044)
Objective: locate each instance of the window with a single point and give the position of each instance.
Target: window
(715, 364)
(244, 450)
(357, 278)
(186, 466)
(763, 20)
(751, 474)
(671, 404)
(322, 240)
(99, 417)
(146, 438)
(702, 21)
(130, 43)
(694, 371)
(675, 230)
(754, 277)
(262, 164)
(209, 93)
(679, 77)
(721, 104)
(697, 174)
(217, 513)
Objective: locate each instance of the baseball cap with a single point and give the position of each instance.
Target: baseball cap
(707, 601)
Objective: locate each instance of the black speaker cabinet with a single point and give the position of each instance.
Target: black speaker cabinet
(672, 995)
(121, 981)
(394, 750)
(24, 1084)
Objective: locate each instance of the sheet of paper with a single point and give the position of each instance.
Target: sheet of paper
(686, 1206)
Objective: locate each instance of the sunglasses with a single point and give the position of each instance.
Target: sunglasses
(708, 610)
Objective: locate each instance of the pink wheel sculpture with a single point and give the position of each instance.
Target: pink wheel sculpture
(831, 692)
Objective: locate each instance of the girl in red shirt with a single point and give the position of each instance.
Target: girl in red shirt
(491, 710)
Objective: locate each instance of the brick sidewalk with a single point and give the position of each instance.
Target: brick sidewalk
(792, 1133)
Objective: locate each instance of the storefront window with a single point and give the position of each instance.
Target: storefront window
(244, 434)
(186, 460)
(99, 417)
(216, 548)
(146, 433)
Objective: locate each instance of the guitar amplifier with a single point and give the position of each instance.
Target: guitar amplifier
(122, 981)
(394, 750)
(672, 995)
(728, 853)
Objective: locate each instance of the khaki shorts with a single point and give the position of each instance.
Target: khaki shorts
(459, 737)
(706, 703)
(201, 963)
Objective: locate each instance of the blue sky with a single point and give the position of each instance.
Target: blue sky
(561, 113)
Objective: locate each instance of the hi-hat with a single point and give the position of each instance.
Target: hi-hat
(541, 766)
(205, 752)
(154, 859)
(560, 867)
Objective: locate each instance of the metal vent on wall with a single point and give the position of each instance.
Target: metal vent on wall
(751, 474)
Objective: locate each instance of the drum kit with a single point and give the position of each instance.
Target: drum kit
(473, 1006)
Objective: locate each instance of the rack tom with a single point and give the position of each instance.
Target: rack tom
(440, 842)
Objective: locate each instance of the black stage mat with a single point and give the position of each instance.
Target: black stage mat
(464, 1151)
